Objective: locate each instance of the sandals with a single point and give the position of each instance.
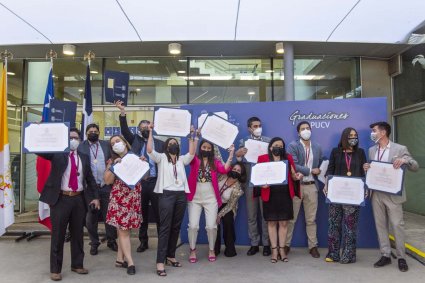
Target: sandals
(193, 259)
(274, 260)
(212, 258)
(122, 264)
(173, 263)
(161, 273)
(283, 258)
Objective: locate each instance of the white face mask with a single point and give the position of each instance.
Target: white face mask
(374, 137)
(118, 147)
(73, 144)
(257, 132)
(305, 134)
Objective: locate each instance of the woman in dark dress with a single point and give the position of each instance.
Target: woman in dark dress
(277, 199)
(346, 160)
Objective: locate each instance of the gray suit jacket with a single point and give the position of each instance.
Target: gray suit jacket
(296, 149)
(397, 151)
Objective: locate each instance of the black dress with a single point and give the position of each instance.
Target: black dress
(279, 207)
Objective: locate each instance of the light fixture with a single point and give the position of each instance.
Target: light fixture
(174, 48)
(68, 49)
(138, 89)
(250, 93)
(279, 48)
(11, 73)
(94, 72)
(181, 71)
(269, 71)
(80, 90)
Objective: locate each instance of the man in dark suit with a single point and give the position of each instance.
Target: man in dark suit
(69, 189)
(99, 152)
(138, 146)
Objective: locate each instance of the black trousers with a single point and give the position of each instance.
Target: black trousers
(172, 206)
(148, 196)
(72, 211)
(92, 221)
(229, 235)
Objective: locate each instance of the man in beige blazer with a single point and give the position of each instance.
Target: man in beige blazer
(388, 208)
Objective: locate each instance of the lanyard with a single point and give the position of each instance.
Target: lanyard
(348, 163)
(92, 151)
(225, 187)
(382, 155)
(175, 170)
(307, 155)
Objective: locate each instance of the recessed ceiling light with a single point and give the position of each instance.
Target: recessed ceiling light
(181, 72)
(251, 92)
(11, 73)
(138, 89)
(94, 72)
(279, 48)
(182, 60)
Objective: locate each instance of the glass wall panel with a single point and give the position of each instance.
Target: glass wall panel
(411, 133)
(230, 80)
(409, 86)
(153, 80)
(320, 78)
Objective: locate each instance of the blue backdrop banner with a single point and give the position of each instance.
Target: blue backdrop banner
(328, 118)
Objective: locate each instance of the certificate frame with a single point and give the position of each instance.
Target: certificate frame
(162, 132)
(117, 171)
(27, 148)
(210, 139)
(204, 116)
(252, 161)
(329, 195)
(272, 182)
(398, 192)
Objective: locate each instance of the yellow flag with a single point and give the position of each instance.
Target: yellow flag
(6, 190)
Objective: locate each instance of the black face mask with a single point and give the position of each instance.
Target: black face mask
(173, 148)
(145, 133)
(93, 137)
(205, 153)
(277, 151)
(234, 175)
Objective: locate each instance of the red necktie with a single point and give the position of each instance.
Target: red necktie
(73, 179)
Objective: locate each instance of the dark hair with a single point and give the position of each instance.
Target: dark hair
(343, 142)
(242, 178)
(210, 158)
(252, 120)
(143, 122)
(73, 129)
(127, 145)
(283, 155)
(166, 143)
(92, 125)
(302, 123)
(382, 126)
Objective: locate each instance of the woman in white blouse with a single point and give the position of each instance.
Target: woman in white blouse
(230, 192)
(171, 187)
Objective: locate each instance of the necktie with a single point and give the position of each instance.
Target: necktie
(73, 179)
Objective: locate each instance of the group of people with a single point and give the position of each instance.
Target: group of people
(81, 188)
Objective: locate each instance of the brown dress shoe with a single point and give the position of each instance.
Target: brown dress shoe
(80, 270)
(56, 276)
(314, 252)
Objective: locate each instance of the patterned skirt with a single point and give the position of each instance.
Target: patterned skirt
(124, 209)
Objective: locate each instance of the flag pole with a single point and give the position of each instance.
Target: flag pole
(51, 55)
(89, 56)
(6, 55)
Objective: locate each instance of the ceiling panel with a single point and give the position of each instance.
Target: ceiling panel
(378, 21)
(164, 20)
(290, 20)
(75, 21)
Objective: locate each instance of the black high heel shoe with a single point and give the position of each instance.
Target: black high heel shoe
(131, 270)
(283, 256)
(123, 264)
(274, 260)
(173, 263)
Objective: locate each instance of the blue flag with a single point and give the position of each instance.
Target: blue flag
(50, 94)
(87, 105)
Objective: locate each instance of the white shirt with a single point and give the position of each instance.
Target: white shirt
(67, 173)
(308, 152)
(225, 196)
(384, 153)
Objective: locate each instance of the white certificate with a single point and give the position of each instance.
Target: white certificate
(381, 176)
(203, 117)
(269, 173)
(130, 170)
(323, 168)
(219, 131)
(46, 137)
(345, 190)
(172, 122)
(255, 149)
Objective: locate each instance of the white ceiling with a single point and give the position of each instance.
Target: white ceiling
(91, 21)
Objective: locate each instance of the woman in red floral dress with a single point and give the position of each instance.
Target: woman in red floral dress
(124, 210)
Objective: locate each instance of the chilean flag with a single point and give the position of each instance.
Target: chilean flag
(43, 166)
(87, 105)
